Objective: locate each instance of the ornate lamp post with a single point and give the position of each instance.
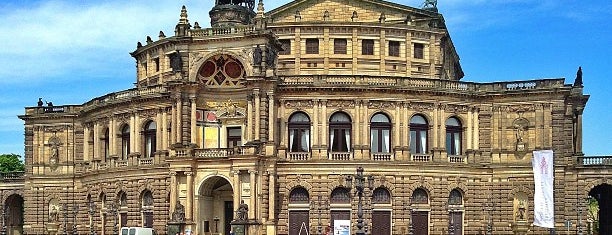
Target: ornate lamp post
(113, 211)
(451, 223)
(3, 220)
(359, 188)
(92, 212)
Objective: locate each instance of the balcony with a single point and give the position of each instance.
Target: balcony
(421, 157)
(457, 159)
(12, 176)
(298, 156)
(341, 156)
(595, 161)
(213, 153)
(216, 153)
(382, 156)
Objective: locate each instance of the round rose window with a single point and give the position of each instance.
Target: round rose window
(221, 70)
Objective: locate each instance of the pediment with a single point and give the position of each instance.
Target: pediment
(367, 11)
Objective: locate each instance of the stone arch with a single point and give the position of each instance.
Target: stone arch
(461, 186)
(382, 111)
(594, 183)
(425, 115)
(206, 181)
(294, 184)
(425, 185)
(385, 184)
(518, 189)
(332, 112)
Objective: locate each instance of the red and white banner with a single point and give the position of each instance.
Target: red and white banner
(543, 200)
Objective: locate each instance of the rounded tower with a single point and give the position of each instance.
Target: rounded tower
(232, 12)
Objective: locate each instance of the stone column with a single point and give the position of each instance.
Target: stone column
(257, 113)
(249, 122)
(271, 117)
(159, 132)
(271, 195)
(469, 129)
(316, 140)
(112, 138)
(194, 136)
(137, 127)
(164, 130)
(324, 129)
(179, 120)
(96, 141)
(86, 138)
(408, 53)
(173, 125)
(236, 187)
(133, 132)
(253, 194)
(579, 132)
(173, 188)
(476, 136)
(189, 199)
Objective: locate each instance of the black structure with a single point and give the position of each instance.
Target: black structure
(360, 181)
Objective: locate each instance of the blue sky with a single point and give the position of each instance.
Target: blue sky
(70, 51)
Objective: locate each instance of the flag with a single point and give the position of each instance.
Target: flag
(543, 200)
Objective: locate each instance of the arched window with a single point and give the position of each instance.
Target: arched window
(418, 135)
(340, 195)
(123, 209)
(150, 138)
(380, 133)
(419, 196)
(147, 209)
(455, 198)
(299, 195)
(340, 132)
(105, 144)
(299, 133)
(381, 196)
(125, 141)
(453, 136)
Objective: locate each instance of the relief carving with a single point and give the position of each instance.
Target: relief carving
(453, 108)
(341, 104)
(381, 105)
(299, 104)
(420, 106)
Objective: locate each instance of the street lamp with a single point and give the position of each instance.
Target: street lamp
(113, 211)
(359, 188)
(216, 219)
(92, 212)
(451, 223)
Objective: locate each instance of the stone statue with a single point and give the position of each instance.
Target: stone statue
(179, 212)
(520, 214)
(242, 212)
(176, 62)
(257, 57)
(520, 130)
(53, 214)
(430, 4)
(40, 102)
(54, 154)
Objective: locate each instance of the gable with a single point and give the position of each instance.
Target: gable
(342, 11)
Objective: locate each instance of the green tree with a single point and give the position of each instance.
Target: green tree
(11, 162)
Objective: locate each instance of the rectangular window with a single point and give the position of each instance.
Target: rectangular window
(340, 46)
(156, 62)
(367, 47)
(234, 137)
(419, 51)
(312, 46)
(286, 44)
(394, 48)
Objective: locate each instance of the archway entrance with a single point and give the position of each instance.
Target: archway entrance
(216, 206)
(603, 214)
(14, 215)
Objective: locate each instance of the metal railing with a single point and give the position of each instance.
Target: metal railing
(12, 176)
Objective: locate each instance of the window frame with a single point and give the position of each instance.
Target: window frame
(367, 46)
(394, 48)
(339, 130)
(312, 46)
(150, 139)
(419, 50)
(300, 128)
(454, 134)
(340, 46)
(418, 129)
(379, 128)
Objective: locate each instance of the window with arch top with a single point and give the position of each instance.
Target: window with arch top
(125, 141)
(453, 136)
(381, 196)
(340, 195)
(299, 132)
(455, 198)
(299, 195)
(340, 132)
(420, 196)
(150, 147)
(418, 134)
(380, 133)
